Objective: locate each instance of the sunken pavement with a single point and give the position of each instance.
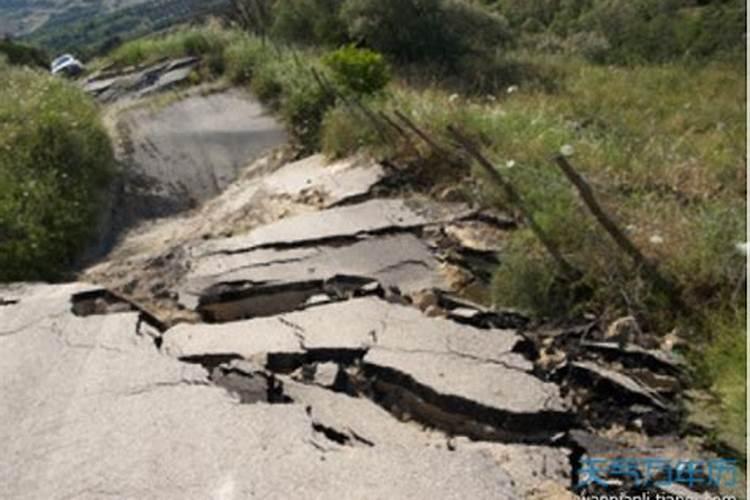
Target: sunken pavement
(306, 334)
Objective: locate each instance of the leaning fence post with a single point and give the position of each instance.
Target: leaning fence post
(648, 269)
(568, 271)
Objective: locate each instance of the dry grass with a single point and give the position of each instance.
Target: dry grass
(664, 148)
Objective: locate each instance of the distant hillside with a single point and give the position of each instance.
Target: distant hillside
(87, 27)
(19, 17)
(617, 31)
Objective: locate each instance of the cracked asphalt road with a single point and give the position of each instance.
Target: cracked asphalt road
(109, 401)
(94, 409)
(302, 334)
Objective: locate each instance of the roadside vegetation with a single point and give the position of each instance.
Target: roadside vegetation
(20, 54)
(646, 99)
(55, 164)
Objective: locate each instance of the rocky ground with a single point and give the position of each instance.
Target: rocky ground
(307, 333)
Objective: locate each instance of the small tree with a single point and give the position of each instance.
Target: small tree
(443, 31)
(362, 71)
(309, 21)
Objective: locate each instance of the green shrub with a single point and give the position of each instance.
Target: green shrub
(345, 132)
(286, 83)
(197, 43)
(521, 12)
(23, 55)
(55, 161)
(241, 59)
(303, 106)
(719, 30)
(359, 70)
(266, 83)
(440, 31)
(640, 30)
(309, 22)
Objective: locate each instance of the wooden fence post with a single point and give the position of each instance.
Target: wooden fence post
(567, 270)
(647, 268)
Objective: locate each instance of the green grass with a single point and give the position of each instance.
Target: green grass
(664, 148)
(204, 41)
(723, 367)
(662, 145)
(55, 162)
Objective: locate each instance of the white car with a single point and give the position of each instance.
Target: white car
(66, 65)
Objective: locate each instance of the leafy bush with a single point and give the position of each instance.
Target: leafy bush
(23, 55)
(309, 21)
(267, 81)
(241, 58)
(637, 31)
(55, 161)
(287, 84)
(303, 107)
(359, 70)
(441, 31)
(344, 133)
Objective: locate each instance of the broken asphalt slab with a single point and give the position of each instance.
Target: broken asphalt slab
(369, 321)
(92, 409)
(330, 183)
(236, 286)
(452, 376)
(369, 241)
(359, 423)
(158, 255)
(347, 222)
(625, 387)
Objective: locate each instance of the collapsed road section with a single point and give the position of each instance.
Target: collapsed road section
(315, 284)
(95, 409)
(461, 379)
(315, 328)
